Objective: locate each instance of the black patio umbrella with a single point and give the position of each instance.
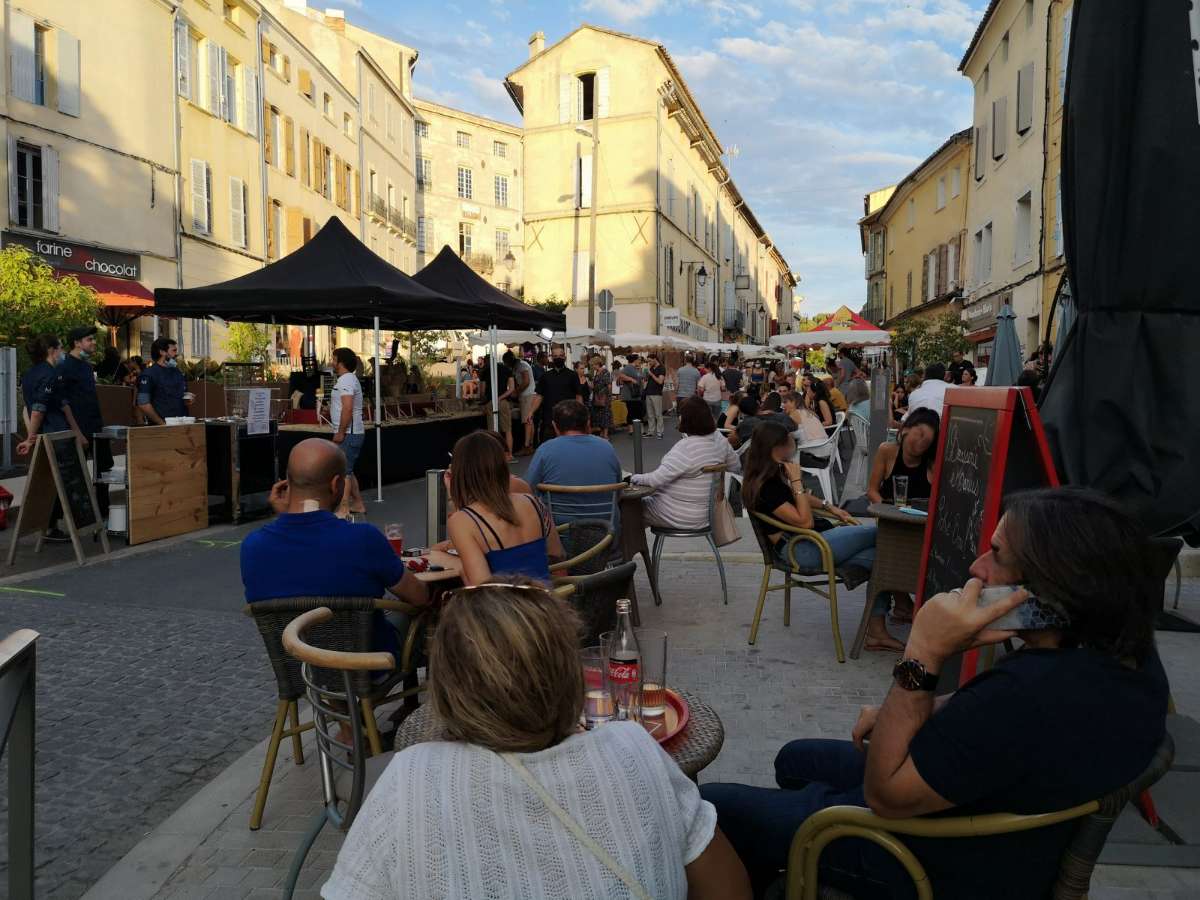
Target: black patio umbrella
(1122, 403)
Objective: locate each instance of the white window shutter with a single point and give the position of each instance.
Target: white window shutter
(50, 188)
(250, 105)
(199, 185)
(564, 99)
(213, 60)
(1025, 98)
(1058, 223)
(237, 211)
(999, 127)
(952, 265)
(20, 27)
(12, 179)
(229, 115)
(68, 73)
(183, 69)
(602, 92)
(585, 181)
(579, 116)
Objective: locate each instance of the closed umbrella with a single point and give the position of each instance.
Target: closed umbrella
(1005, 365)
(1066, 316)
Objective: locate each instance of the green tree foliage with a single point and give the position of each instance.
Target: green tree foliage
(33, 301)
(248, 343)
(921, 341)
(550, 304)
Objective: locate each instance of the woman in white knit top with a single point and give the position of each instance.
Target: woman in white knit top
(681, 498)
(517, 803)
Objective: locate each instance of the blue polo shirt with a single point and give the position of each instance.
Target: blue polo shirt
(42, 391)
(317, 554)
(163, 388)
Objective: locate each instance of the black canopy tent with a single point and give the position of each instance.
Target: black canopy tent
(334, 279)
(1122, 403)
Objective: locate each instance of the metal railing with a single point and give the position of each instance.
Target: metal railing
(379, 207)
(480, 262)
(424, 184)
(408, 227)
(733, 320)
(18, 684)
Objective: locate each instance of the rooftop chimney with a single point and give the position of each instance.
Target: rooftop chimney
(537, 43)
(335, 19)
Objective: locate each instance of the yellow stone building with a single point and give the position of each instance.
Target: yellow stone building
(90, 151)
(913, 243)
(608, 119)
(469, 190)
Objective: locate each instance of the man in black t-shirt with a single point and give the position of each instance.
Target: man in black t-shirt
(557, 383)
(1077, 713)
(957, 366)
(652, 392)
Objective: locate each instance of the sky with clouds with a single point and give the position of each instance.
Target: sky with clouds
(825, 99)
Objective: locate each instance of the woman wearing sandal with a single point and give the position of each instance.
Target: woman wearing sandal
(514, 800)
(772, 486)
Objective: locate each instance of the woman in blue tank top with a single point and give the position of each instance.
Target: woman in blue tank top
(496, 532)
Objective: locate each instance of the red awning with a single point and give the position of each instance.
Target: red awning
(984, 334)
(116, 291)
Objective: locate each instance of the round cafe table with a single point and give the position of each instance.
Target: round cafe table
(693, 749)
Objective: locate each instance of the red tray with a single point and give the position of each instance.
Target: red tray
(672, 722)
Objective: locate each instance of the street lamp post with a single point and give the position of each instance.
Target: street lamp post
(595, 136)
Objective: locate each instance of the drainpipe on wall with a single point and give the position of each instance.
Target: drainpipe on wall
(178, 149)
(658, 273)
(363, 185)
(262, 125)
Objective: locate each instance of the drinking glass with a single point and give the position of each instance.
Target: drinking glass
(394, 532)
(900, 489)
(597, 702)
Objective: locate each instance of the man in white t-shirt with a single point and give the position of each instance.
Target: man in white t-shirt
(346, 414)
(932, 392)
(526, 395)
(709, 388)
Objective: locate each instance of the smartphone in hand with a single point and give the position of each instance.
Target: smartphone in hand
(1034, 614)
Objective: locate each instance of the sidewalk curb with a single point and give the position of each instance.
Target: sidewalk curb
(141, 872)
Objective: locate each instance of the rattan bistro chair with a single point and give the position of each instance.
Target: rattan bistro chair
(350, 630)
(1096, 819)
(595, 598)
(569, 502)
(333, 680)
(585, 542)
(716, 494)
(809, 579)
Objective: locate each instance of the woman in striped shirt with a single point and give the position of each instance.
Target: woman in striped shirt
(681, 496)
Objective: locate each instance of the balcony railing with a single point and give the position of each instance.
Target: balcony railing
(379, 207)
(733, 320)
(480, 262)
(18, 684)
(424, 184)
(408, 228)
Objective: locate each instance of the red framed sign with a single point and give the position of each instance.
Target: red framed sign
(991, 443)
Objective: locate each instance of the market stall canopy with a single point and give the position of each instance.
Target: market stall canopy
(334, 279)
(448, 274)
(1122, 405)
(515, 338)
(636, 340)
(844, 328)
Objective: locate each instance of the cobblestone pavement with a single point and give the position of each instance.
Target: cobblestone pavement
(789, 685)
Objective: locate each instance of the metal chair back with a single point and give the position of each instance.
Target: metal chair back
(596, 596)
(569, 502)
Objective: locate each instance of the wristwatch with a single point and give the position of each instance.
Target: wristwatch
(912, 675)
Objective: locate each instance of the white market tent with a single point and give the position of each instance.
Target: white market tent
(636, 340)
(514, 338)
(843, 328)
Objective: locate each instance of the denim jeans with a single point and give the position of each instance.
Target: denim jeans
(852, 545)
(813, 775)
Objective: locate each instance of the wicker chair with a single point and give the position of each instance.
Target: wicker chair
(569, 502)
(809, 579)
(585, 542)
(351, 630)
(595, 598)
(332, 680)
(1075, 870)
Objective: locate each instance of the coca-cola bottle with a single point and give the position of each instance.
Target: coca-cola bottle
(625, 666)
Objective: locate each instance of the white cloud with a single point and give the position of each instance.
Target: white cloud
(730, 13)
(623, 11)
(487, 88)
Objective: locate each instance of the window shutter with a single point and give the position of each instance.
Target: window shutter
(294, 228)
(183, 70)
(1025, 98)
(266, 50)
(272, 224)
(68, 74)
(602, 92)
(999, 127)
(564, 86)
(237, 211)
(306, 83)
(268, 137)
(924, 279)
(287, 69)
(20, 27)
(585, 181)
(979, 139)
(357, 193)
(1058, 222)
(214, 78)
(199, 196)
(50, 187)
(289, 138)
(249, 101)
(337, 181)
(951, 266)
(1063, 54)
(305, 159)
(12, 178)
(943, 279)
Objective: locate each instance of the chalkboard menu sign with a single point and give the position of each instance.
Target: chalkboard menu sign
(76, 492)
(956, 520)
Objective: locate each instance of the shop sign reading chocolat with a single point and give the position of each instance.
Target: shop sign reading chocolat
(68, 256)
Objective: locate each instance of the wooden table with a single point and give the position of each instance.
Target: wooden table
(633, 535)
(450, 562)
(693, 749)
(897, 559)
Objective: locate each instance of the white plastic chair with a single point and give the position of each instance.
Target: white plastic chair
(860, 460)
(827, 450)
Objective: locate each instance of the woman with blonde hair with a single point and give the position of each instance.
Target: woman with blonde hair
(493, 528)
(516, 801)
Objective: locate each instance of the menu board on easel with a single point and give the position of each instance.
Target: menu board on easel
(990, 443)
(58, 469)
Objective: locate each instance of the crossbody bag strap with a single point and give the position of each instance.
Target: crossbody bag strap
(575, 828)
